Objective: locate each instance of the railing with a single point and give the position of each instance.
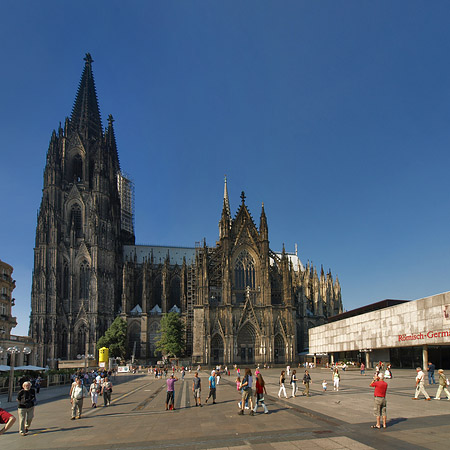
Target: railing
(58, 379)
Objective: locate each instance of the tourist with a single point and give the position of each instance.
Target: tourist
(218, 376)
(212, 387)
(77, 393)
(442, 386)
(288, 370)
(324, 385)
(259, 394)
(336, 379)
(379, 399)
(170, 397)
(246, 387)
(106, 391)
(7, 419)
(362, 369)
(282, 387)
(420, 385)
(26, 399)
(197, 389)
(94, 390)
(306, 382)
(294, 380)
(431, 368)
(37, 384)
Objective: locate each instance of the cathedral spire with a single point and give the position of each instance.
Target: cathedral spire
(110, 138)
(86, 114)
(263, 229)
(226, 200)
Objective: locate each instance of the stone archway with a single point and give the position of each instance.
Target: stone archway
(279, 350)
(217, 349)
(246, 342)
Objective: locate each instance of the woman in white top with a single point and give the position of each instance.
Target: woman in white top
(94, 390)
(336, 379)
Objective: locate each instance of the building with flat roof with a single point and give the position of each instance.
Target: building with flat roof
(405, 333)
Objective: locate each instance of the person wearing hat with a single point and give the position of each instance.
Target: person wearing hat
(442, 386)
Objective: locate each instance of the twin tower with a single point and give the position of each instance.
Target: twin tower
(241, 302)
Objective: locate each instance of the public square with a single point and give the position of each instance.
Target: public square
(332, 420)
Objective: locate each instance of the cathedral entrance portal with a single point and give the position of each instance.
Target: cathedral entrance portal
(279, 350)
(246, 344)
(217, 349)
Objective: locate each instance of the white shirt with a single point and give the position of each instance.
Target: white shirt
(420, 376)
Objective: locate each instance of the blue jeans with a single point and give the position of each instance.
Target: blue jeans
(431, 376)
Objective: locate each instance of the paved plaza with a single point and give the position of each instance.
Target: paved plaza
(331, 420)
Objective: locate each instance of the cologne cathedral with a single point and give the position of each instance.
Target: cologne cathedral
(241, 302)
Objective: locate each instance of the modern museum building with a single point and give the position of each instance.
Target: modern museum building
(405, 333)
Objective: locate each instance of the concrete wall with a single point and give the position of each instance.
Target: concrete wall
(419, 322)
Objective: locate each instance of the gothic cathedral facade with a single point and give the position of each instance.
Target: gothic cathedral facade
(241, 301)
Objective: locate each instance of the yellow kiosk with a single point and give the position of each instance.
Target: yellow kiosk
(103, 357)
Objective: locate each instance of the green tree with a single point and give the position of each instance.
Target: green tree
(171, 342)
(115, 338)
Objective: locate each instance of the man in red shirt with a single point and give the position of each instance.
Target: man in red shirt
(6, 418)
(379, 399)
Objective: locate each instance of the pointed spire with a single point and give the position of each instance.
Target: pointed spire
(86, 114)
(111, 142)
(226, 200)
(263, 223)
(243, 197)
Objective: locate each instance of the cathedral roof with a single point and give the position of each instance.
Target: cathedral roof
(144, 253)
(293, 258)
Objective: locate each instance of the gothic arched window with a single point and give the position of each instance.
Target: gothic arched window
(75, 219)
(84, 280)
(244, 271)
(175, 292)
(77, 168)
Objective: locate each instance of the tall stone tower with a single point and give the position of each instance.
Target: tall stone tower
(77, 256)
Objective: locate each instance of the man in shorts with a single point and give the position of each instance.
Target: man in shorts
(170, 399)
(379, 399)
(6, 418)
(197, 389)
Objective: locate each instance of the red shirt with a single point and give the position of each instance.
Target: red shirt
(380, 388)
(259, 388)
(4, 416)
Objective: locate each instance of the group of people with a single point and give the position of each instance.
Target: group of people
(420, 383)
(293, 382)
(78, 391)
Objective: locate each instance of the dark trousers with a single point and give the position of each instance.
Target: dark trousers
(212, 393)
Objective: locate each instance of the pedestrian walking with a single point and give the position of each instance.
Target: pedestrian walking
(336, 379)
(442, 386)
(294, 380)
(106, 391)
(77, 394)
(324, 385)
(362, 368)
(260, 390)
(282, 386)
(37, 384)
(379, 409)
(212, 387)
(306, 383)
(7, 419)
(420, 385)
(197, 389)
(170, 397)
(246, 387)
(431, 368)
(94, 390)
(26, 399)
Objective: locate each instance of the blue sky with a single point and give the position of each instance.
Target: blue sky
(334, 114)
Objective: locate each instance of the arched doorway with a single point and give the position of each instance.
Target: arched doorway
(217, 349)
(279, 347)
(246, 344)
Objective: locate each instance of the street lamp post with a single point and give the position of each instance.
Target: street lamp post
(13, 351)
